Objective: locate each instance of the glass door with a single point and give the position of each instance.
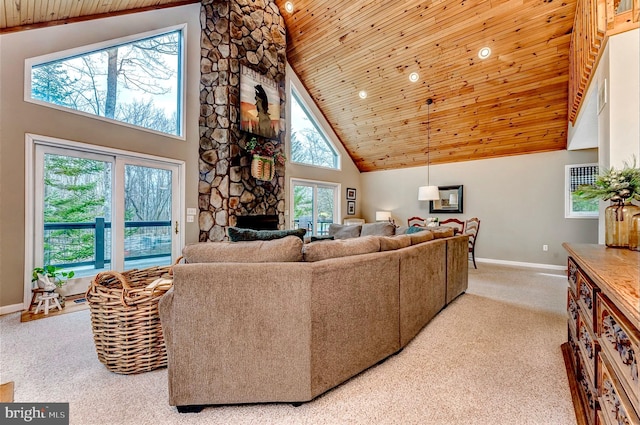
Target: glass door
(95, 212)
(314, 206)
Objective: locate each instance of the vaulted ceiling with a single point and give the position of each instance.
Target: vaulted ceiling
(512, 103)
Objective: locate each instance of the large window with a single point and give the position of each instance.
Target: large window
(135, 82)
(309, 145)
(315, 205)
(576, 176)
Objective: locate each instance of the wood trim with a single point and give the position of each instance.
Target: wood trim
(91, 17)
(581, 413)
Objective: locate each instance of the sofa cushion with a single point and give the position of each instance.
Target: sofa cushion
(286, 249)
(341, 231)
(388, 243)
(442, 231)
(237, 234)
(424, 236)
(340, 248)
(378, 229)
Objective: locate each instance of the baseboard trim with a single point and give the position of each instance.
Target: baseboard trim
(521, 264)
(7, 309)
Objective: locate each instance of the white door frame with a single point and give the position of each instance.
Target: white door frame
(33, 140)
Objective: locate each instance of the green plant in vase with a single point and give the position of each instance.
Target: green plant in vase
(50, 277)
(619, 187)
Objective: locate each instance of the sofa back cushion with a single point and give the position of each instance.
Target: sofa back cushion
(442, 232)
(378, 229)
(237, 234)
(388, 243)
(341, 231)
(285, 249)
(419, 237)
(317, 251)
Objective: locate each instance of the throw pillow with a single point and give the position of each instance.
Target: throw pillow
(378, 229)
(414, 229)
(340, 231)
(237, 234)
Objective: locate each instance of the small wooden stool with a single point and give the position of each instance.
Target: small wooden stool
(45, 299)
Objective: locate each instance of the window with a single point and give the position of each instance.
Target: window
(314, 206)
(309, 145)
(135, 82)
(576, 176)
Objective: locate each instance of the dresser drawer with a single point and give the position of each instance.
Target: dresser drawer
(621, 342)
(575, 350)
(588, 346)
(572, 310)
(586, 296)
(616, 409)
(572, 274)
(587, 394)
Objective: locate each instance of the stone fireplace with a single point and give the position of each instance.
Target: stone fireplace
(234, 33)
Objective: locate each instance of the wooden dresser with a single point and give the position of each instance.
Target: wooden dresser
(603, 345)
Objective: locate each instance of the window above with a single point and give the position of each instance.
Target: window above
(576, 176)
(134, 82)
(309, 145)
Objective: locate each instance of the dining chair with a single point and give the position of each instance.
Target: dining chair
(417, 221)
(471, 228)
(458, 225)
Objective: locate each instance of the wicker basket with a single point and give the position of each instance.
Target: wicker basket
(125, 320)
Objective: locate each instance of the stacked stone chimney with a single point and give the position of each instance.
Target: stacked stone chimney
(234, 33)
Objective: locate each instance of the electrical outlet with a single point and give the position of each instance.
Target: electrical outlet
(545, 247)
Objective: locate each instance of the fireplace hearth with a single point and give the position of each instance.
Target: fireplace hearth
(257, 222)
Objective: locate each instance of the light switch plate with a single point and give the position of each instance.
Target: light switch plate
(191, 211)
(189, 219)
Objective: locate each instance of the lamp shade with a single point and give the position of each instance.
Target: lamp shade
(428, 193)
(383, 216)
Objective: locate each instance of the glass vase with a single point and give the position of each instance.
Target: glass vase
(634, 236)
(618, 218)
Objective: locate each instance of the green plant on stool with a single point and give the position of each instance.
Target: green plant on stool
(50, 277)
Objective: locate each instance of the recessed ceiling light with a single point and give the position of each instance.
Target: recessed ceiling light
(484, 53)
(413, 77)
(288, 6)
(362, 94)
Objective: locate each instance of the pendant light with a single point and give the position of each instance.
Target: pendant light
(428, 193)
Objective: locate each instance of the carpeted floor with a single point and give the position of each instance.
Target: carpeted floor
(491, 357)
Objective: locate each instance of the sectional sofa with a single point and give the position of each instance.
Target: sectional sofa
(285, 321)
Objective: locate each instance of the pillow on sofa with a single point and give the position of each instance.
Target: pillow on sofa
(236, 234)
(420, 237)
(341, 231)
(286, 249)
(442, 232)
(378, 229)
(389, 243)
(415, 229)
(340, 248)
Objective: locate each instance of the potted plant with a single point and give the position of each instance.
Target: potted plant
(265, 156)
(619, 187)
(50, 277)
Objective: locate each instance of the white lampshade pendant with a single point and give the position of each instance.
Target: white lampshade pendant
(428, 193)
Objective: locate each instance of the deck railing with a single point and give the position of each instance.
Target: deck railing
(70, 245)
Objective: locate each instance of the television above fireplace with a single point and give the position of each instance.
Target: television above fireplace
(257, 222)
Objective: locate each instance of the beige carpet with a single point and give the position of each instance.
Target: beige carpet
(492, 357)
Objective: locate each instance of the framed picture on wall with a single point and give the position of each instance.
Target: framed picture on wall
(351, 194)
(450, 200)
(351, 207)
(259, 104)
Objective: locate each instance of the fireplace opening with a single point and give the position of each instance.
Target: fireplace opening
(257, 222)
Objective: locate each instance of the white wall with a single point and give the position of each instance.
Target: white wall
(519, 200)
(18, 117)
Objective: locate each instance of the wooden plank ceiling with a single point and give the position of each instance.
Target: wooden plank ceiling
(514, 102)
